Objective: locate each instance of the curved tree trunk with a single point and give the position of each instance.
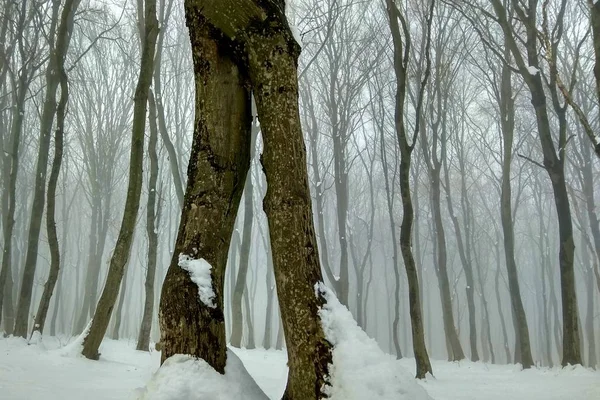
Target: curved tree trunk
(122, 250)
(423, 364)
(40, 318)
(58, 53)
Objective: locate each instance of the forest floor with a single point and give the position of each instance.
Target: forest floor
(50, 370)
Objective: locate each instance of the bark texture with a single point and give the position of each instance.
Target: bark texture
(217, 170)
(272, 56)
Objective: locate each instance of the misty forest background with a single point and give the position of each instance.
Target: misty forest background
(347, 101)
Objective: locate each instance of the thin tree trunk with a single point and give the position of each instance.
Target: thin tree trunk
(152, 222)
(237, 318)
(499, 304)
(250, 342)
(40, 318)
(423, 365)
(122, 250)
(507, 117)
(58, 52)
(553, 161)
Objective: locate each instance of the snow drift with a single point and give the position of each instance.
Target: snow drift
(183, 377)
(361, 370)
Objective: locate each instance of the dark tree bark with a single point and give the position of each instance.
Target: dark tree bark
(270, 55)
(40, 318)
(217, 170)
(401, 60)
(122, 250)
(152, 222)
(505, 344)
(553, 162)
(58, 52)
(507, 126)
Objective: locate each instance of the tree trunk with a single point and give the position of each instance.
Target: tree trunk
(250, 342)
(423, 364)
(273, 57)
(553, 163)
(217, 170)
(595, 24)
(122, 250)
(507, 117)
(499, 304)
(9, 205)
(40, 318)
(237, 318)
(152, 222)
(118, 317)
(58, 52)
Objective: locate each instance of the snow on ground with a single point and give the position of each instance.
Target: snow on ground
(466, 380)
(46, 372)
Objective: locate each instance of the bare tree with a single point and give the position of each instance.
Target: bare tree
(402, 52)
(122, 250)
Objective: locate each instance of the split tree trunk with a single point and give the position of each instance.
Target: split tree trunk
(58, 53)
(40, 318)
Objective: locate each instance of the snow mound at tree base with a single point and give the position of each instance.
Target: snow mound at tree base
(183, 377)
(361, 370)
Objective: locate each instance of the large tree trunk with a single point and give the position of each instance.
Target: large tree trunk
(273, 56)
(217, 170)
(122, 250)
(152, 222)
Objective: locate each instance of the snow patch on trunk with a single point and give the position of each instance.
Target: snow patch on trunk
(199, 271)
(361, 370)
(183, 377)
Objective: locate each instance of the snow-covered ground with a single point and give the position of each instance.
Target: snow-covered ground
(45, 372)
